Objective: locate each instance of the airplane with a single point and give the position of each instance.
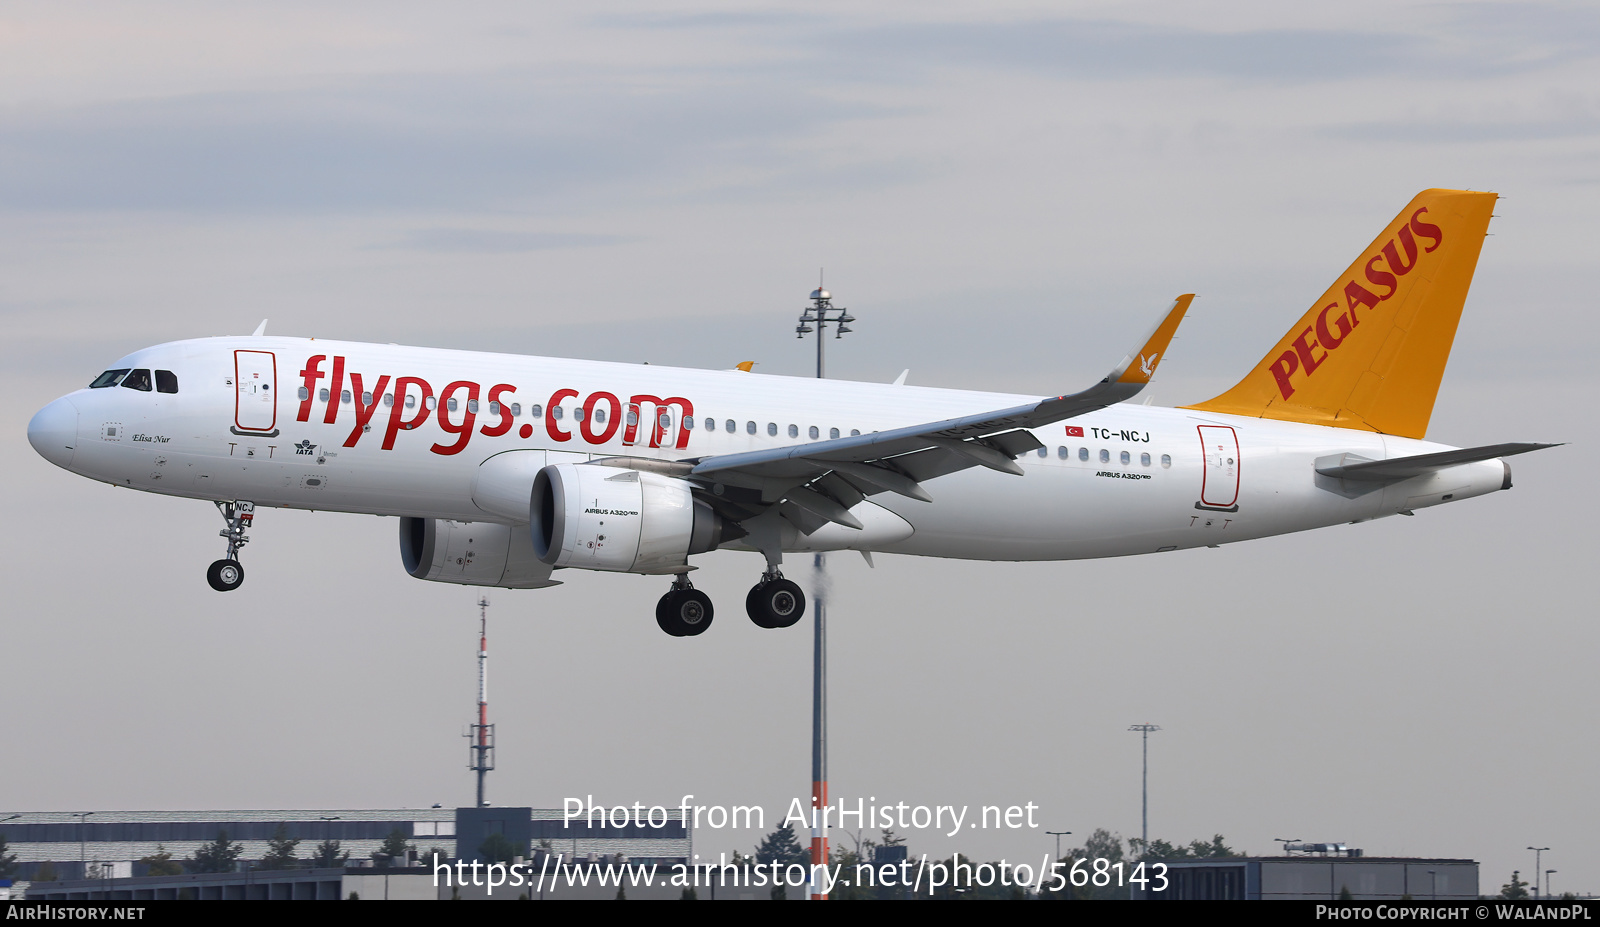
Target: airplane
(503, 469)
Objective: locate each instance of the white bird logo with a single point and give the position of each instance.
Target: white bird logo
(1148, 364)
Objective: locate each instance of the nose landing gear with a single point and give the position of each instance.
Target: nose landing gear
(684, 611)
(775, 602)
(227, 574)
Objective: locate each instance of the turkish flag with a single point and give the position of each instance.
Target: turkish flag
(1073, 431)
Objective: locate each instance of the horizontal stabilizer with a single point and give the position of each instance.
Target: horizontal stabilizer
(1353, 467)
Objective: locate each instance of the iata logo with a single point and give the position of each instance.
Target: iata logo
(306, 448)
(1383, 271)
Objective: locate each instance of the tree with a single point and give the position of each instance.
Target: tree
(280, 850)
(8, 861)
(1514, 889)
(783, 848)
(497, 848)
(329, 856)
(161, 863)
(394, 847)
(217, 856)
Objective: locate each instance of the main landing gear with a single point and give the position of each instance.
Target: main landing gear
(227, 574)
(775, 602)
(684, 611)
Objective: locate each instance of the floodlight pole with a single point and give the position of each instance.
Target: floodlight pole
(1144, 734)
(1538, 853)
(820, 313)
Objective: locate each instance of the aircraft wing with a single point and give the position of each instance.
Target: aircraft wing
(823, 479)
(1354, 467)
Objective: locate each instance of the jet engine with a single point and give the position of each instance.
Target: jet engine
(626, 521)
(473, 553)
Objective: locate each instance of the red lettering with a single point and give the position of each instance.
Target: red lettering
(311, 375)
(657, 432)
(1357, 295)
(505, 413)
(1381, 277)
(397, 419)
(1426, 229)
(463, 431)
(1325, 336)
(556, 434)
(336, 385)
(1308, 363)
(1286, 364)
(364, 411)
(613, 419)
(1393, 255)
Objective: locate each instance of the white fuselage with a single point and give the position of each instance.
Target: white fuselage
(248, 422)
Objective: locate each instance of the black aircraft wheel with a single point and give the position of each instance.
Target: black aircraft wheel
(684, 612)
(775, 604)
(225, 575)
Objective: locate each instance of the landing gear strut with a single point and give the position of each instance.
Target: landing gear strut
(227, 574)
(684, 611)
(775, 602)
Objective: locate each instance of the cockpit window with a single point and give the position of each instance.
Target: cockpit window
(137, 379)
(109, 378)
(166, 381)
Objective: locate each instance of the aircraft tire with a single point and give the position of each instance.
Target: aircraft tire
(225, 575)
(775, 604)
(684, 612)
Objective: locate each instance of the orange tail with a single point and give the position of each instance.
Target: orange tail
(1371, 352)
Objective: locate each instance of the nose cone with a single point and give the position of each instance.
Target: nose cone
(54, 432)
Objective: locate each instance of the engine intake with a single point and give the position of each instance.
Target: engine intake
(627, 521)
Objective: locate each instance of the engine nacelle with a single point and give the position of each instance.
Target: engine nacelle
(474, 553)
(626, 521)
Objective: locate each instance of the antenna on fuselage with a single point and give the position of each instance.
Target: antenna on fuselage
(260, 329)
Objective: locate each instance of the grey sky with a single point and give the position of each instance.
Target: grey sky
(1004, 197)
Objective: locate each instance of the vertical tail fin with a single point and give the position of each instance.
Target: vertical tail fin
(1371, 352)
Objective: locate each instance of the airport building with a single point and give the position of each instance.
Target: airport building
(109, 844)
(1316, 878)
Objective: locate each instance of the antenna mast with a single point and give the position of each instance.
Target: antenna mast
(481, 735)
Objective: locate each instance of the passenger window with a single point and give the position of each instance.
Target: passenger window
(730, 426)
(1083, 453)
(794, 431)
(303, 394)
(814, 433)
(833, 432)
(711, 424)
(577, 414)
(411, 401)
(664, 420)
(855, 432)
(388, 399)
(450, 404)
(599, 416)
(432, 402)
(109, 378)
(1105, 456)
(472, 405)
(1062, 453)
(1166, 460)
(366, 398)
(688, 423)
(750, 428)
(1144, 459)
(167, 381)
(556, 412)
(344, 397)
(772, 429)
(536, 410)
(494, 407)
(1126, 457)
(322, 395)
(1044, 452)
(137, 379)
